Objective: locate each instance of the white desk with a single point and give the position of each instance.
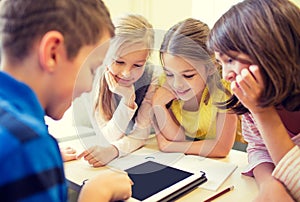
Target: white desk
(245, 188)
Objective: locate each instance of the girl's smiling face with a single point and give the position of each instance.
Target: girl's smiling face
(128, 68)
(183, 78)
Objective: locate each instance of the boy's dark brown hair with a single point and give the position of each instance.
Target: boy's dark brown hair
(268, 31)
(23, 22)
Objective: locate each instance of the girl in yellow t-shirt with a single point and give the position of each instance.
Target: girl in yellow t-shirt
(186, 116)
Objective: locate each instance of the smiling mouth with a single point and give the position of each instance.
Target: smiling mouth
(182, 92)
(121, 80)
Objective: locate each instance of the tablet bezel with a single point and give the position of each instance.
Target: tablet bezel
(176, 189)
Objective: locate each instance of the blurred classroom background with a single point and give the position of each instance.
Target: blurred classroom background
(164, 13)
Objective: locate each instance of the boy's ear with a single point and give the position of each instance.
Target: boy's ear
(50, 47)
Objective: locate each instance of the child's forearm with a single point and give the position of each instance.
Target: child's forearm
(263, 172)
(274, 133)
(166, 124)
(206, 148)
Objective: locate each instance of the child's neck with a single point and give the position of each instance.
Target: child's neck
(194, 103)
(191, 105)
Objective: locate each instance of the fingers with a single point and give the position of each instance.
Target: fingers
(90, 157)
(82, 154)
(87, 154)
(256, 74)
(97, 164)
(68, 153)
(68, 150)
(115, 185)
(68, 157)
(110, 80)
(248, 83)
(163, 96)
(125, 189)
(248, 86)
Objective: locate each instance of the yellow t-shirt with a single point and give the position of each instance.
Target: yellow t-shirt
(200, 124)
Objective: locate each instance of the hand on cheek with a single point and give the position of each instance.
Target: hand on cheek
(248, 87)
(125, 91)
(163, 96)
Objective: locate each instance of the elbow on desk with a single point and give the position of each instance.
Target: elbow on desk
(219, 151)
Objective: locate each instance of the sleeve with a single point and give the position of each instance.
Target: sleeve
(142, 128)
(257, 151)
(81, 111)
(32, 168)
(115, 128)
(287, 171)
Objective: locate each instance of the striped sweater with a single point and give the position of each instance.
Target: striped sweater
(287, 170)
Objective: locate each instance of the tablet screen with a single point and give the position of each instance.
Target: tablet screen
(150, 178)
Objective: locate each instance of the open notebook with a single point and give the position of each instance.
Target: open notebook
(216, 172)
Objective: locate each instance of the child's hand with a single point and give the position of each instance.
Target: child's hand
(163, 96)
(98, 156)
(109, 185)
(127, 92)
(248, 87)
(68, 153)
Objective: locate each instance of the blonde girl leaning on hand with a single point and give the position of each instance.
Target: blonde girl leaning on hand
(257, 42)
(187, 120)
(124, 91)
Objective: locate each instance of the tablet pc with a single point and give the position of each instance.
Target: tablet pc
(157, 182)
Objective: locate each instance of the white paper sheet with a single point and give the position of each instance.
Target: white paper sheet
(216, 171)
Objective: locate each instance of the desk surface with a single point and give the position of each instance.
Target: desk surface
(245, 188)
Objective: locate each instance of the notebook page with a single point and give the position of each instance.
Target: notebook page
(216, 171)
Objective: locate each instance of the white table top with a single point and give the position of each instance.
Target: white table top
(245, 188)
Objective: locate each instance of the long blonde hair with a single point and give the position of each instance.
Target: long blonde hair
(130, 30)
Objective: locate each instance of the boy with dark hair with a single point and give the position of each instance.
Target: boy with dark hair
(43, 47)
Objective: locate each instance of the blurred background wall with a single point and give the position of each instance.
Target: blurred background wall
(163, 14)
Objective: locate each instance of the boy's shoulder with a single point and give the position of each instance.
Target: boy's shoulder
(22, 135)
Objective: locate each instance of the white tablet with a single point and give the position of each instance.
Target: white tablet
(157, 182)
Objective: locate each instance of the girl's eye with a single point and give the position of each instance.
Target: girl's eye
(189, 76)
(138, 65)
(169, 74)
(230, 60)
(119, 62)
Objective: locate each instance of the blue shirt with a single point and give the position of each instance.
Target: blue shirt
(31, 165)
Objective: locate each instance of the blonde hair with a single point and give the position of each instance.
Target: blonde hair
(130, 30)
